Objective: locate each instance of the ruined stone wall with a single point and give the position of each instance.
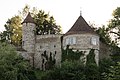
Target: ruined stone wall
(49, 44)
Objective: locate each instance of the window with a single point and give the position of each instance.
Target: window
(94, 41)
(74, 40)
(71, 40)
(23, 43)
(67, 41)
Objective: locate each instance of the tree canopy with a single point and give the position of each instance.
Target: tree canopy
(45, 24)
(114, 24)
(13, 66)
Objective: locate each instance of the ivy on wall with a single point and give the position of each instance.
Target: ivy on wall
(48, 62)
(71, 55)
(91, 57)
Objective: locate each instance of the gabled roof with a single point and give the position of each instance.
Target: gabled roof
(28, 19)
(80, 27)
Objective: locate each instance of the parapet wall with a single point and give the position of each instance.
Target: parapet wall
(47, 36)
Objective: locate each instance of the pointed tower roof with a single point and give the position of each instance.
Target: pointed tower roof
(80, 26)
(28, 19)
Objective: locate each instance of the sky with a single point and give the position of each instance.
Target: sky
(65, 12)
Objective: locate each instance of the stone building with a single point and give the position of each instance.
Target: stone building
(82, 37)
(38, 48)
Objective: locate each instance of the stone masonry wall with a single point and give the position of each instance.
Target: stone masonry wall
(28, 37)
(51, 44)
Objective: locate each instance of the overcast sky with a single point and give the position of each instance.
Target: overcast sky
(65, 12)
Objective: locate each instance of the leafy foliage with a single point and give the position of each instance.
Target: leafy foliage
(115, 56)
(50, 61)
(13, 33)
(114, 24)
(70, 55)
(13, 66)
(74, 69)
(91, 57)
(45, 24)
(14, 30)
(104, 35)
(91, 68)
(92, 71)
(104, 68)
(114, 72)
(69, 71)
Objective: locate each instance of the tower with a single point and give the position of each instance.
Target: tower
(82, 37)
(28, 34)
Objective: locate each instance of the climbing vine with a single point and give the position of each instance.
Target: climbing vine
(48, 62)
(91, 57)
(71, 55)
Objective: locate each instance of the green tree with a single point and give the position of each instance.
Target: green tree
(13, 30)
(69, 70)
(104, 68)
(114, 28)
(45, 24)
(13, 66)
(114, 24)
(91, 68)
(104, 35)
(114, 72)
(70, 55)
(4, 36)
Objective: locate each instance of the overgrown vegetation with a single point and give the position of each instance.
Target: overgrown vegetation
(50, 61)
(13, 66)
(71, 55)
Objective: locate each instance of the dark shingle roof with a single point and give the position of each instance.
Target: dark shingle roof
(28, 19)
(79, 27)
